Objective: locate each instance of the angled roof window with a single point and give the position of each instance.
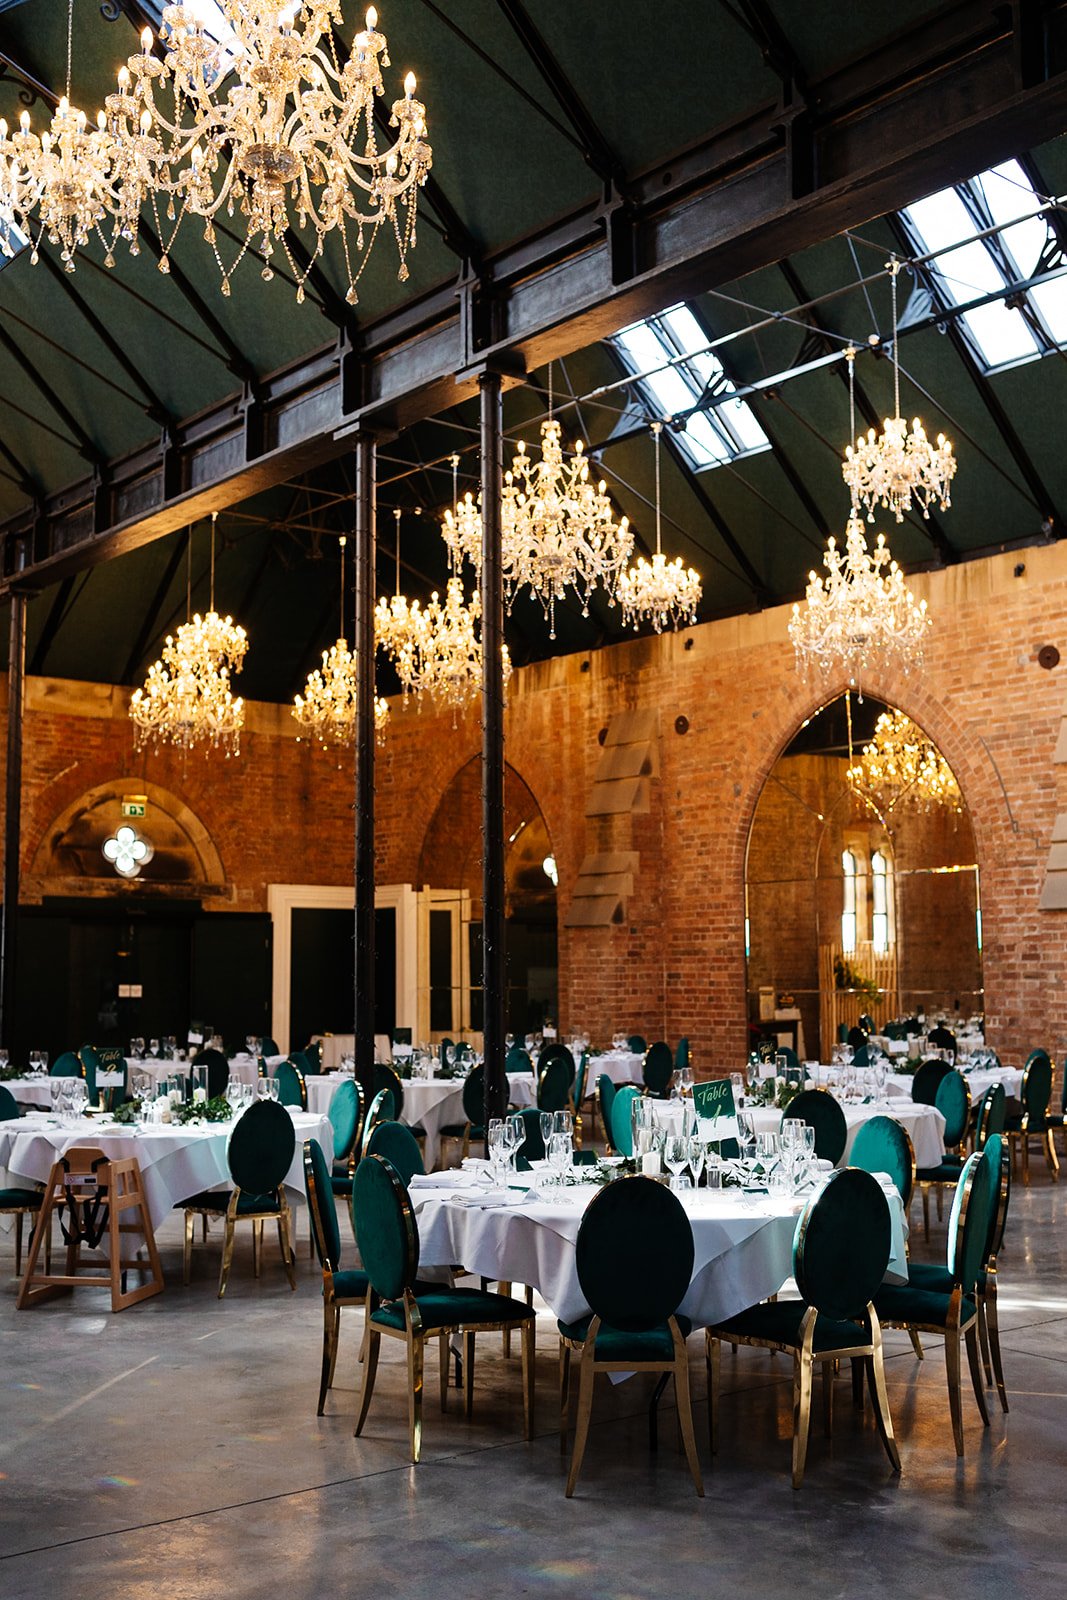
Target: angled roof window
(1001, 334)
(677, 371)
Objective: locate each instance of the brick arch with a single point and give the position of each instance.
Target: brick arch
(518, 797)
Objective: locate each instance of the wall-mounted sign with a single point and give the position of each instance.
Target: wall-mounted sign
(135, 805)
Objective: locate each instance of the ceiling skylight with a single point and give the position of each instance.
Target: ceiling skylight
(1001, 334)
(678, 371)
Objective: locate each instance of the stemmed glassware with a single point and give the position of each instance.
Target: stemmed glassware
(252, 1044)
(676, 1157)
(516, 1133)
(497, 1148)
(559, 1155)
(546, 1128)
(696, 1155)
(38, 1062)
(746, 1134)
(137, 1049)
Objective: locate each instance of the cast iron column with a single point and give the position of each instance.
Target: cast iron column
(12, 814)
(364, 777)
(494, 956)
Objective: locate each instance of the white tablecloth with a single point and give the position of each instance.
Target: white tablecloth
(744, 1251)
(432, 1103)
(925, 1125)
(981, 1079)
(175, 1161)
(621, 1066)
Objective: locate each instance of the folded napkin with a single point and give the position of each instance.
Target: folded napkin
(490, 1199)
(449, 1179)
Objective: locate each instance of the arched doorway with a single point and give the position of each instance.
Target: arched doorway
(862, 893)
(450, 868)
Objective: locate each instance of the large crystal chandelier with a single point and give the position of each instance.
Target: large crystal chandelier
(900, 764)
(898, 467)
(327, 708)
(278, 127)
(665, 593)
(75, 182)
(401, 630)
(861, 614)
(187, 699)
(558, 527)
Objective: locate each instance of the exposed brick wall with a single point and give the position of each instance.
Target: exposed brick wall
(282, 812)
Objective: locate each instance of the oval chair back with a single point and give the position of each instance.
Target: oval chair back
(345, 1109)
(303, 1063)
(634, 1254)
(991, 1115)
(313, 1055)
(533, 1145)
(261, 1147)
(386, 1230)
(658, 1069)
(554, 1085)
(91, 1065)
(842, 1245)
(622, 1133)
(969, 1225)
(953, 1100)
(578, 1087)
(518, 1060)
(292, 1090)
(819, 1109)
(380, 1110)
(218, 1070)
(884, 1145)
(861, 1056)
(681, 1055)
(791, 1057)
(474, 1098)
(9, 1109)
(605, 1094)
(556, 1052)
(856, 1037)
(386, 1078)
(925, 1082)
(270, 1047)
(637, 1044)
(943, 1038)
(321, 1207)
(66, 1065)
(399, 1147)
(1036, 1089)
(998, 1153)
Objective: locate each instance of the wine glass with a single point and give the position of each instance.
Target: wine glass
(563, 1122)
(675, 1155)
(38, 1061)
(559, 1155)
(153, 1049)
(746, 1134)
(78, 1094)
(137, 1049)
(517, 1131)
(696, 1156)
(496, 1146)
(263, 1088)
(546, 1128)
(252, 1044)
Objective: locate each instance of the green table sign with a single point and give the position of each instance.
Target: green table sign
(715, 1099)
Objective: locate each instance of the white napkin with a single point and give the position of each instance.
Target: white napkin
(490, 1199)
(449, 1179)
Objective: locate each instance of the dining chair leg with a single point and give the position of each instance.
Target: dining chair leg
(504, 1287)
(801, 1414)
(685, 1408)
(983, 1343)
(372, 1342)
(415, 1362)
(916, 1343)
(187, 1251)
(926, 1212)
(713, 1357)
(952, 1369)
(227, 1254)
(285, 1241)
(992, 1325)
(1051, 1157)
(880, 1399)
(329, 1352)
(18, 1244)
(585, 1409)
(529, 1375)
(857, 1384)
(442, 1367)
(976, 1372)
(828, 1398)
(468, 1372)
(257, 1245)
(1024, 1140)
(564, 1394)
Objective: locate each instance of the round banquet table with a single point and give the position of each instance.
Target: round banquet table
(979, 1080)
(925, 1125)
(744, 1248)
(175, 1161)
(429, 1103)
(621, 1066)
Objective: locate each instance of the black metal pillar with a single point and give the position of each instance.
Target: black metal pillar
(494, 955)
(365, 542)
(12, 814)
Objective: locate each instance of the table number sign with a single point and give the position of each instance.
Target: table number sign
(714, 1103)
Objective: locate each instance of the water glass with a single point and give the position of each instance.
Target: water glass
(263, 1088)
(56, 1087)
(559, 1155)
(737, 1080)
(516, 1132)
(546, 1128)
(38, 1062)
(252, 1044)
(496, 1148)
(78, 1094)
(675, 1155)
(746, 1134)
(234, 1093)
(273, 1089)
(137, 1049)
(563, 1122)
(695, 1149)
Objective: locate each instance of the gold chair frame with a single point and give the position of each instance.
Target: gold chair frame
(332, 1303)
(1024, 1135)
(281, 1216)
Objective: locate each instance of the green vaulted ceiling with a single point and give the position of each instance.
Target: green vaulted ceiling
(521, 140)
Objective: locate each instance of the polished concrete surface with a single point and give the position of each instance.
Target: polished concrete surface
(173, 1451)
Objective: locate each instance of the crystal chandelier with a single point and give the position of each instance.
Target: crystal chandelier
(327, 708)
(901, 764)
(401, 630)
(897, 467)
(75, 182)
(278, 127)
(861, 613)
(187, 699)
(665, 593)
(558, 528)
(451, 666)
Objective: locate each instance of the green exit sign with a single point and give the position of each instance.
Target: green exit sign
(134, 805)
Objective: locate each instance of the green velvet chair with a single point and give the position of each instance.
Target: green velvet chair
(927, 1077)
(218, 1069)
(312, 1054)
(381, 1109)
(259, 1155)
(953, 1311)
(861, 1057)
(681, 1055)
(387, 1233)
(953, 1100)
(292, 1090)
(622, 1134)
(605, 1097)
(533, 1145)
(634, 1258)
(18, 1201)
(91, 1065)
(386, 1078)
(658, 1070)
(341, 1286)
(518, 1060)
(792, 1060)
(578, 1092)
(346, 1117)
(554, 1084)
(1034, 1121)
(942, 1038)
(555, 1051)
(990, 1114)
(473, 1125)
(637, 1044)
(819, 1109)
(68, 1065)
(269, 1047)
(884, 1145)
(841, 1250)
(400, 1148)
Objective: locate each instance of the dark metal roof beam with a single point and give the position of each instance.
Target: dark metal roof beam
(57, 612)
(86, 446)
(927, 110)
(150, 622)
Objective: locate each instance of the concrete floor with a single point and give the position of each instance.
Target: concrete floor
(173, 1451)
